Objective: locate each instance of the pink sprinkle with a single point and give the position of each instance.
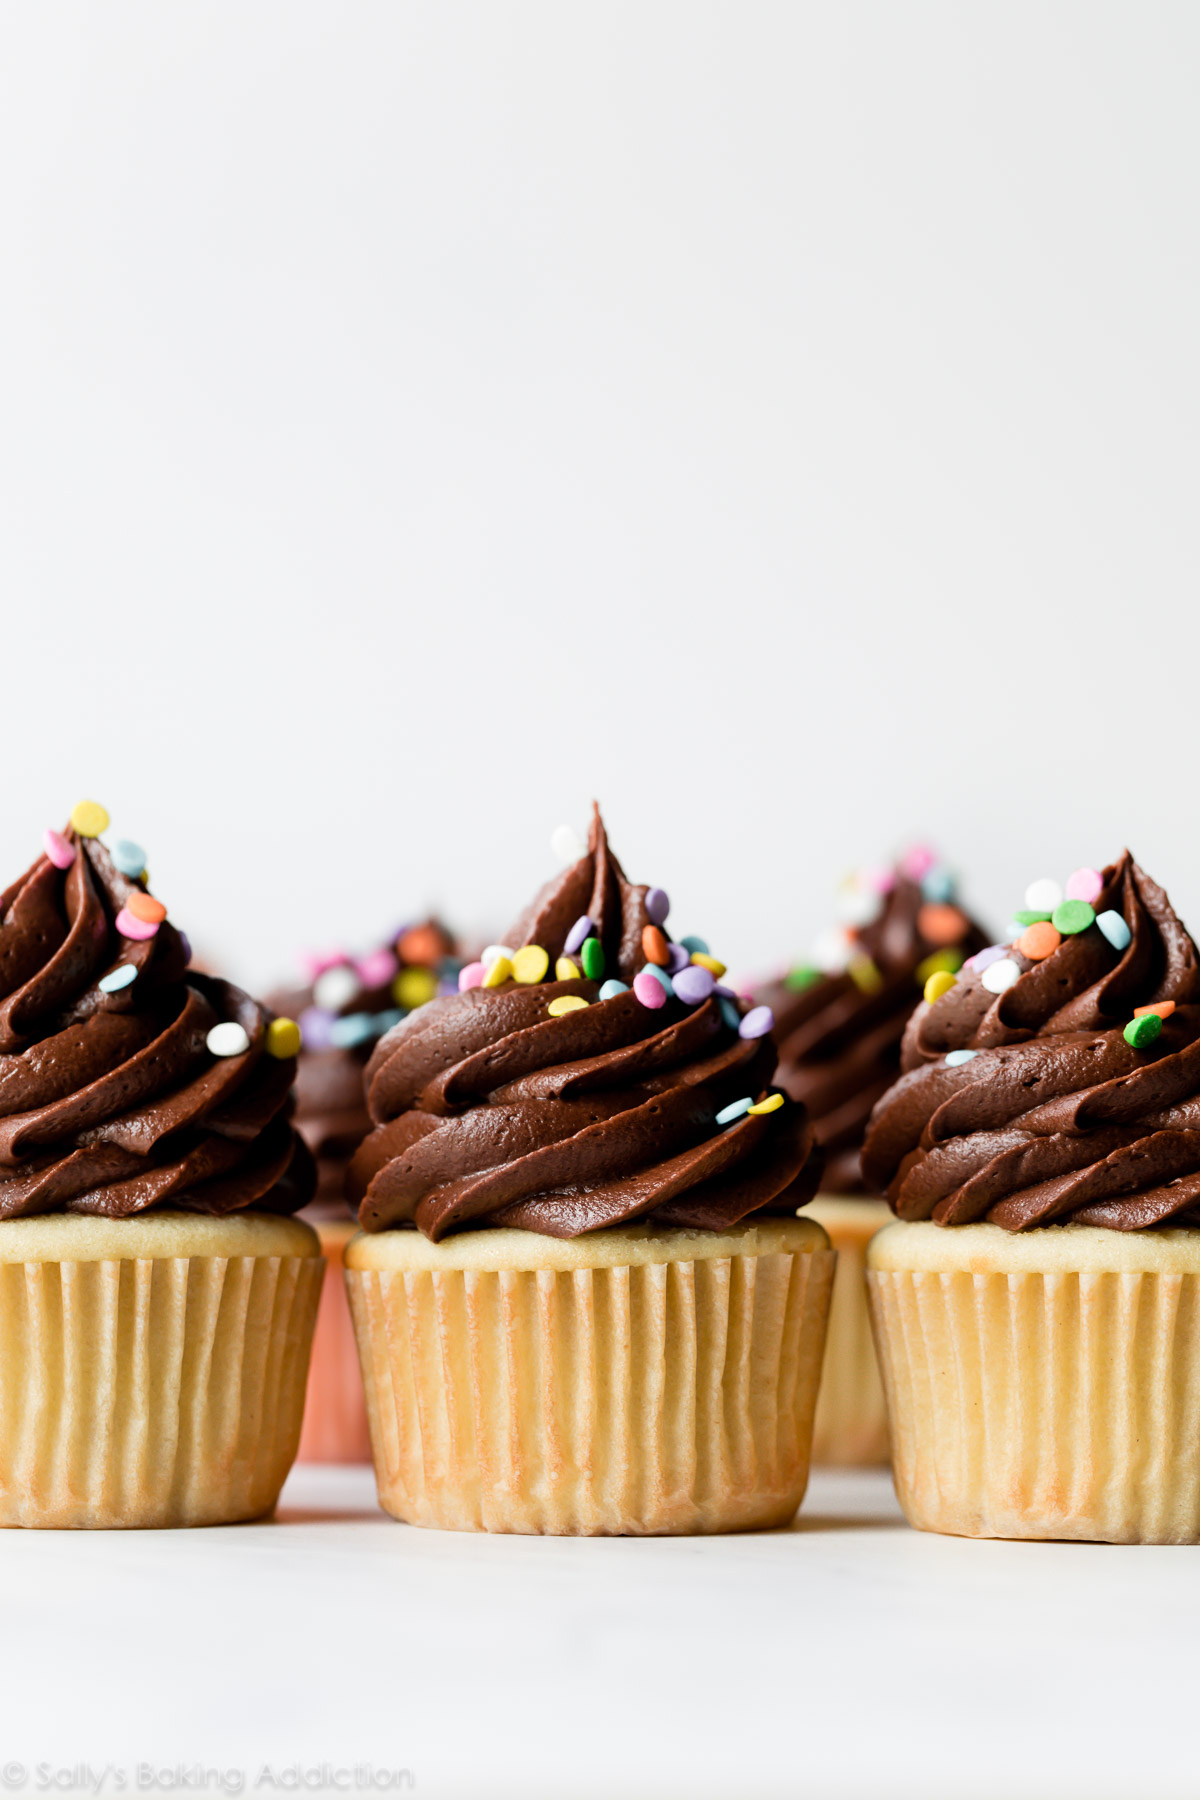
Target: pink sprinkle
(471, 976)
(649, 990)
(61, 854)
(918, 861)
(130, 927)
(377, 969)
(879, 880)
(1085, 884)
(317, 961)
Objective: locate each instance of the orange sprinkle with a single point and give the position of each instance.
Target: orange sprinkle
(1039, 941)
(654, 946)
(422, 944)
(1164, 1009)
(941, 924)
(145, 906)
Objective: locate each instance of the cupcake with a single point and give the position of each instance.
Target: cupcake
(343, 1011)
(583, 1301)
(157, 1300)
(1036, 1303)
(839, 1022)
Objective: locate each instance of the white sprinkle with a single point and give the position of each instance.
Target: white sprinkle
(494, 952)
(229, 1039)
(335, 988)
(859, 906)
(956, 1058)
(1000, 976)
(831, 950)
(567, 844)
(1044, 895)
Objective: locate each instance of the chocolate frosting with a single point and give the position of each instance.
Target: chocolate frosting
(839, 1030)
(1057, 1118)
(489, 1111)
(112, 1103)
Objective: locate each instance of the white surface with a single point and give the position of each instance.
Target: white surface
(846, 1657)
(777, 419)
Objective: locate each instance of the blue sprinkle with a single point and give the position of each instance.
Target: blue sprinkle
(696, 943)
(117, 978)
(1012, 931)
(730, 1014)
(385, 1020)
(610, 989)
(661, 975)
(129, 857)
(728, 1114)
(355, 1028)
(1115, 930)
(957, 1057)
(937, 884)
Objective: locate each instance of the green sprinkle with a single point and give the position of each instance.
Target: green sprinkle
(1025, 917)
(800, 978)
(947, 961)
(593, 959)
(1139, 1033)
(1072, 916)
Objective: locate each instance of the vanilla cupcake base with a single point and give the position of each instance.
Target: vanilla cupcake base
(152, 1369)
(851, 1422)
(1044, 1384)
(629, 1381)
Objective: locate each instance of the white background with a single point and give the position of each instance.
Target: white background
(777, 420)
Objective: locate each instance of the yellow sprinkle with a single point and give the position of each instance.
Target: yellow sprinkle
(530, 964)
(413, 987)
(715, 967)
(772, 1103)
(566, 970)
(283, 1038)
(500, 971)
(564, 1004)
(89, 818)
(864, 974)
(939, 983)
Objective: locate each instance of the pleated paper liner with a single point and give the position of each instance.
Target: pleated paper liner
(1044, 1384)
(624, 1382)
(335, 1413)
(151, 1369)
(851, 1422)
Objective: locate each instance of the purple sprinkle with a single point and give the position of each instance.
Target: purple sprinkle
(657, 906)
(185, 944)
(694, 984)
(983, 959)
(727, 993)
(581, 929)
(315, 1028)
(679, 958)
(757, 1022)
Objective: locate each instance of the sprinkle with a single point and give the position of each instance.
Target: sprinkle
(335, 988)
(612, 988)
(881, 879)
(831, 950)
(771, 1104)
(60, 852)
(283, 1039)
(530, 964)
(864, 974)
(660, 975)
(998, 977)
(128, 857)
(694, 945)
(1028, 917)
(1073, 916)
(491, 952)
(592, 956)
(420, 944)
(939, 983)
(1043, 895)
(229, 1039)
(567, 844)
(89, 818)
(858, 906)
(657, 905)
(757, 1022)
(713, 964)
(471, 976)
(1040, 940)
(726, 993)
(353, 1028)
(937, 884)
(654, 946)
(317, 961)
(677, 958)
(413, 987)
(130, 926)
(649, 991)
(377, 969)
(694, 985)
(1085, 884)
(314, 1028)
(566, 1003)
(582, 928)
(391, 1016)
(1164, 1009)
(498, 972)
(917, 861)
(146, 907)
(730, 1014)
(566, 970)
(1115, 930)
(734, 1110)
(983, 959)
(801, 977)
(117, 978)
(956, 1058)
(1141, 1033)
(940, 924)
(939, 959)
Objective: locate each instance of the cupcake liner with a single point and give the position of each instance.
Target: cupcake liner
(650, 1396)
(851, 1422)
(335, 1413)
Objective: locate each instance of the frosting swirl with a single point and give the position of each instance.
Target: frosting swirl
(111, 1100)
(840, 1025)
(493, 1110)
(1057, 1086)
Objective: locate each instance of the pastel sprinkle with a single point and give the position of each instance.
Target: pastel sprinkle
(713, 964)
(353, 1028)
(566, 970)
(831, 949)
(657, 905)
(757, 1022)
(1115, 930)
(1164, 1009)
(951, 959)
(730, 1014)
(335, 988)
(471, 976)
(998, 977)
(392, 1015)
(89, 818)
(654, 946)
(940, 924)
(1141, 1033)
(693, 985)
(1085, 884)
(801, 977)
(983, 959)
(414, 987)
(956, 1058)
(567, 844)
(660, 975)
(734, 1110)
(1043, 895)
(283, 1039)
(228, 1039)
(677, 958)
(649, 991)
(566, 1003)
(726, 993)
(1073, 916)
(128, 857)
(937, 884)
(498, 972)
(314, 1028)
(145, 906)
(771, 1104)
(1041, 940)
(695, 946)
(530, 964)
(117, 978)
(864, 974)
(939, 983)
(879, 878)
(376, 969)
(489, 954)
(130, 926)
(612, 988)
(60, 852)
(858, 906)
(917, 861)
(582, 928)
(592, 956)
(1027, 916)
